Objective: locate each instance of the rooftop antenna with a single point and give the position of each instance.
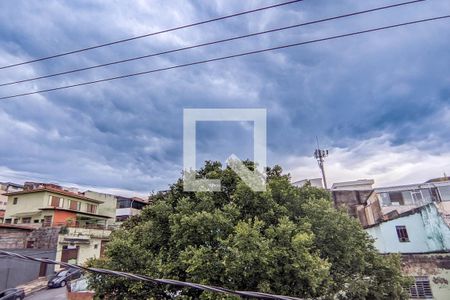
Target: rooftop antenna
(320, 155)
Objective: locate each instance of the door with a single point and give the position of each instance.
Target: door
(69, 253)
(43, 269)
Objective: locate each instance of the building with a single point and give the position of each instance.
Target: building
(49, 205)
(6, 187)
(431, 273)
(399, 199)
(422, 237)
(315, 182)
(385, 202)
(118, 208)
(420, 230)
(128, 207)
(76, 245)
(359, 199)
(356, 185)
(412, 220)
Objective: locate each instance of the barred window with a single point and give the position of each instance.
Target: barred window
(402, 234)
(421, 288)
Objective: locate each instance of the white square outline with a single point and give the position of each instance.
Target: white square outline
(190, 118)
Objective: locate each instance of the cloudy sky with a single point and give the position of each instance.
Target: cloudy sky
(380, 102)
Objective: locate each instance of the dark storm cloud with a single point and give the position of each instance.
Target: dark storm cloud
(127, 134)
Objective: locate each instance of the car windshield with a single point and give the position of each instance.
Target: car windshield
(62, 273)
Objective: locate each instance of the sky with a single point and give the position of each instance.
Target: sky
(380, 102)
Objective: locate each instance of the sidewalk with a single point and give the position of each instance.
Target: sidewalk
(34, 286)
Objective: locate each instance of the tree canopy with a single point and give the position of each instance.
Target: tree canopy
(286, 240)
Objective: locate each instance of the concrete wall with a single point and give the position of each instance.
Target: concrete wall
(108, 207)
(92, 249)
(25, 203)
(11, 238)
(435, 266)
(40, 238)
(14, 272)
(426, 229)
(350, 199)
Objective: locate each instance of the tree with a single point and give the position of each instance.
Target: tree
(286, 240)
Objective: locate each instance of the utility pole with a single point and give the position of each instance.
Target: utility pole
(320, 155)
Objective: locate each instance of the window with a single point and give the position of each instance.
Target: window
(26, 220)
(402, 234)
(55, 201)
(138, 205)
(36, 221)
(417, 196)
(396, 197)
(16, 221)
(30, 244)
(421, 288)
(47, 221)
(123, 202)
(384, 198)
(74, 205)
(91, 208)
(8, 221)
(15, 200)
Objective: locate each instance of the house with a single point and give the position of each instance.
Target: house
(6, 187)
(315, 182)
(358, 199)
(128, 207)
(50, 205)
(402, 198)
(77, 245)
(412, 220)
(420, 230)
(118, 208)
(355, 185)
(422, 237)
(385, 202)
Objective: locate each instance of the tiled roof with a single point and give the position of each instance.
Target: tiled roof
(55, 191)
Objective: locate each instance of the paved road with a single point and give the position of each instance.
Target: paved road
(53, 294)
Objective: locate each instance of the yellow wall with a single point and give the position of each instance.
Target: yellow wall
(86, 251)
(108, 207)
(34, 201)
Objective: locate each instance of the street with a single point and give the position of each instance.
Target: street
(54, 294)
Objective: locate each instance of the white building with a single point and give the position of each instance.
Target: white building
(315, 182)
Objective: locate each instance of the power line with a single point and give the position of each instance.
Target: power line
(225, 57)
(131, 276)
(151, 34)
(211, 43)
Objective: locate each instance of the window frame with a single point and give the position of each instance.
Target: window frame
(77, 203)
(421, 288)
(402, 234)
(54, 198)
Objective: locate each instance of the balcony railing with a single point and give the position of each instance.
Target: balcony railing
(83, 225)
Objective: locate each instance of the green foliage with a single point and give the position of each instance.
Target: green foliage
(286, 240)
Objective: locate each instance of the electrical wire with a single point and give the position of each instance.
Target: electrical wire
(211, 43)
(131, 276)
(225, 57)
(150, 34)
